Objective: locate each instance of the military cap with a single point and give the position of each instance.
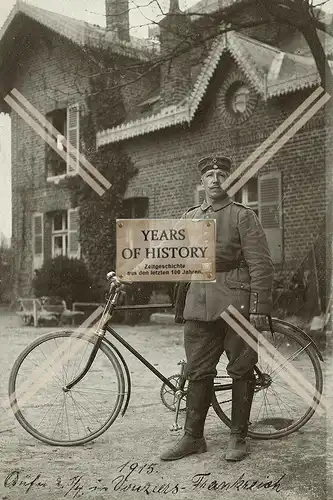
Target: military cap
(214, 162)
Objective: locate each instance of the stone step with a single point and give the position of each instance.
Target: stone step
(162, 318)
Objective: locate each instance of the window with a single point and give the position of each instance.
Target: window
(59, 234)
(135, 208)
(248, 195)
(66, 123)
(239, 99)
(37, 240)
(200, 195)
(55, 165)
(264, 195)
(270, 212)
(65, 231)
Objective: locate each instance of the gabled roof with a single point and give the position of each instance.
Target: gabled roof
(270, 71)
(297, 44)
(80, 32)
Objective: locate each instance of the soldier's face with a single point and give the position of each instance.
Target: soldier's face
(212, 181)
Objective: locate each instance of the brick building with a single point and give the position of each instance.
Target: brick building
(225, 95)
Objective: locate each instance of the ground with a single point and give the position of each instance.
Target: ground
(299, 464)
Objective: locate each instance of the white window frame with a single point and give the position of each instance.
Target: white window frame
(245, 195)
(73, 157)
(56, 233)
(60, 145)
(37, 261)
(199, 189)
(77, 253)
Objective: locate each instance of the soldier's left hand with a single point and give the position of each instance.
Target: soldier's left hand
(259, 321)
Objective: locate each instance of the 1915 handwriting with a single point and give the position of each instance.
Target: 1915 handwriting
(133, 477)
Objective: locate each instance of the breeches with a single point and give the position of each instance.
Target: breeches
(205, 342)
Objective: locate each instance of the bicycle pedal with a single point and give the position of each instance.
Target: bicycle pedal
(182, 362)
(176, 427)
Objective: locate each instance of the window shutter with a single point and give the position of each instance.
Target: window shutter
(37, 240)
(73, 137)
(270, 212)
(73, 233)
(199, 195)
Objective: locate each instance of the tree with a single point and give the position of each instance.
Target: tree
(5, 271)
(306, 16)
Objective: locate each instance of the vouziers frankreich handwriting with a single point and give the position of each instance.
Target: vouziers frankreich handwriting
(205, 481)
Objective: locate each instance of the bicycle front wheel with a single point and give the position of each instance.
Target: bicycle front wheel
(49, 413)
(278, 409)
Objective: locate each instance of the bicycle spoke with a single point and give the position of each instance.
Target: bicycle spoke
(76, 369)
(291, 358)
(78, 412)
(278, 398)
(60, 416)
(98, 412)
(263, 398)
(88, 412)
(77, 416)
(38, 364)
(54, 375)
(93, 390)
(287, 387)
(66, 368)
(50, 408)
(63, 376)
(69, 434)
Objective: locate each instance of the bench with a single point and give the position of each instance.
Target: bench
(35, 312)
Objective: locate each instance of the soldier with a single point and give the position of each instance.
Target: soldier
(244, 278)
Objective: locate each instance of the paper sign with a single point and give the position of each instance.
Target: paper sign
(166, 250)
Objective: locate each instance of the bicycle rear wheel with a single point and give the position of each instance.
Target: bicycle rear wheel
(277, 409)
(49, 413)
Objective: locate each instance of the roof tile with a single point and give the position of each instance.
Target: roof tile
(271, 71)
(80, 32)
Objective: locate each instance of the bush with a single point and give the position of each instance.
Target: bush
(138, 294)
(65, 278)
(289, 292)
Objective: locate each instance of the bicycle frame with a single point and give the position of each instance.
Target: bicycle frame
(110, 306)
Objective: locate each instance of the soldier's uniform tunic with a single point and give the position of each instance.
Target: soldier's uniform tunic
(244, 279)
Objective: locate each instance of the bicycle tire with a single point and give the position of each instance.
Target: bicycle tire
(312, 354)
(119, 382)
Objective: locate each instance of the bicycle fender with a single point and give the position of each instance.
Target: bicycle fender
(128, 375)
(302, 332)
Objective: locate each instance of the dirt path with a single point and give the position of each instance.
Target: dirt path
(128, 453)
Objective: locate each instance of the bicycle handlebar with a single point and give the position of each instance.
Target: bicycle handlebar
(111, 276)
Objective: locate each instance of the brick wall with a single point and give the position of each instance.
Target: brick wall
(53, 75)
(56, 74)
(167, 162)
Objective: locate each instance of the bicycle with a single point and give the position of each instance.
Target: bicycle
(100, 377)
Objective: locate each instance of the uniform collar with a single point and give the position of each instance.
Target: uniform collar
(217, 205)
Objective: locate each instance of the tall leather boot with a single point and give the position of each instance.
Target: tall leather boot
(242, 396)
(199, 396)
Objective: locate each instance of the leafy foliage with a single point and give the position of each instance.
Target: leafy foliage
(98, 214)
(65, 278)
